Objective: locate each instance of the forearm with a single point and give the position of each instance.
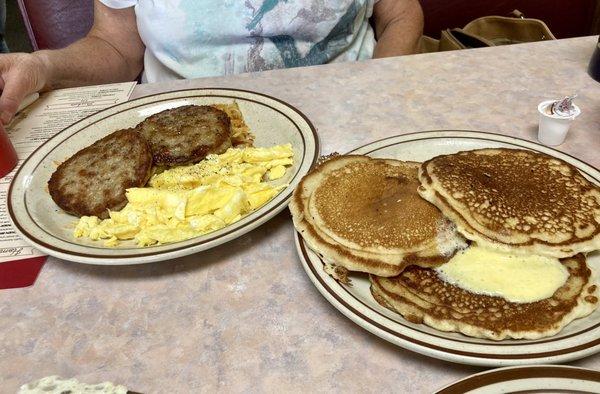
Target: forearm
(399, 35)
(112, 51)
(88, 61)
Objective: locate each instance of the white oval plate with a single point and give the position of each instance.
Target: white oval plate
(43, 224)
(528, 379)
(579, 339)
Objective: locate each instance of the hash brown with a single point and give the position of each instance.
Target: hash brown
(240, 132)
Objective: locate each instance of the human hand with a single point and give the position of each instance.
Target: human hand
(20, 75)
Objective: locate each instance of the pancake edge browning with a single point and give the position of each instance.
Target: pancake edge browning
(328, 249)
(532, 246)
(586, 302)
(406, 169)
(384, 265)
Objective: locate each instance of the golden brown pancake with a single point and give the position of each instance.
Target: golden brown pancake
(421, 296)
(515, 200)
(365, 215)
(374, 206)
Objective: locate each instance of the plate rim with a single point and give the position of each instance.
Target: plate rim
(148, 255)
(507, 374)
(472, 132)
(430, 348)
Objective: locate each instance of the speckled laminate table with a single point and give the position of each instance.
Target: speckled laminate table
(244, 317)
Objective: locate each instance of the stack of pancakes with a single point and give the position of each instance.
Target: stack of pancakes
(402, 221)
(365, 215)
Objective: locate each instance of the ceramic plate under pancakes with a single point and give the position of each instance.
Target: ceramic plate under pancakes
(579, 339)
(43, 224)
(528, 379)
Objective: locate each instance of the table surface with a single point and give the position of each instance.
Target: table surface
(244, 317)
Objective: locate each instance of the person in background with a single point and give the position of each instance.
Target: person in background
(194, 39)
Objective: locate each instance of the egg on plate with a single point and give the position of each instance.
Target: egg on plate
(188, 201)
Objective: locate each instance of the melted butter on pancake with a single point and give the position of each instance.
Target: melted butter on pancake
(517, 278)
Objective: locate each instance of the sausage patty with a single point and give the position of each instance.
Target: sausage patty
(94, 180)
(186, 135)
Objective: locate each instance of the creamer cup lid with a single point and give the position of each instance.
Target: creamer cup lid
(564, 107)
(545, 108)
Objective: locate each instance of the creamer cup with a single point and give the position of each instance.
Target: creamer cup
(552, 129)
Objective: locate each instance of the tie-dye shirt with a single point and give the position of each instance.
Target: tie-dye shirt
(202, 38)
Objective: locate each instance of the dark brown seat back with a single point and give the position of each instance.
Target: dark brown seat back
(565, 19)
(55, 24)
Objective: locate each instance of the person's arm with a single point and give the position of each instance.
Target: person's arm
(398, 26)
(111, 52)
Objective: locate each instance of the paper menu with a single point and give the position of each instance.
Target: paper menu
(51, 113)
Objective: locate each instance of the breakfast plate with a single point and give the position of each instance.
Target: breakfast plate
(43, 224)
(528, 379)
(578, 339)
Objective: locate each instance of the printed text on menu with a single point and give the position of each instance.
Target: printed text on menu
(51, 113)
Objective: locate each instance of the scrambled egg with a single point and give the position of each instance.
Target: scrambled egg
(185, 202)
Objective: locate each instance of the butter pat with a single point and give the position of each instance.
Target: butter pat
(517, 278)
